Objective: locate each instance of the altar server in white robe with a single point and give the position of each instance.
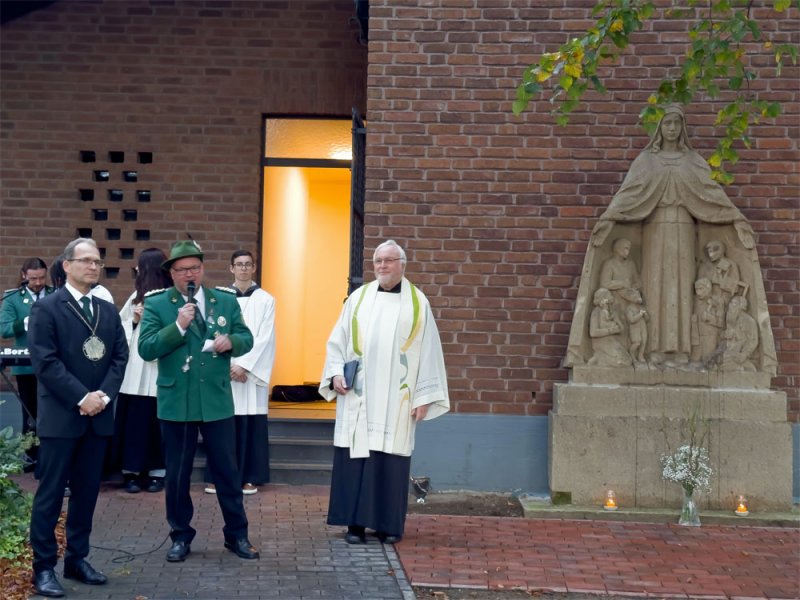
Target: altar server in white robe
(386, 325)
(250, 375)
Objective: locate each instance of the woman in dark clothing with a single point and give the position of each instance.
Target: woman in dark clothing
(138, 433)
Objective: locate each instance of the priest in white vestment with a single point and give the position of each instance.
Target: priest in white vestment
(250, 375)
(387, 326)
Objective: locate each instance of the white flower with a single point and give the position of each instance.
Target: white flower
(690, 467)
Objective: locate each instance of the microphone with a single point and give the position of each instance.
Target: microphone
(190, 289)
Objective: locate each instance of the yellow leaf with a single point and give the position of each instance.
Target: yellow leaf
(573, 70)
(767, 44)
(652, 99)
(542, 76)
(616, 25)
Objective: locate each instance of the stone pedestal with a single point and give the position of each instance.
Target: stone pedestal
(610, 427)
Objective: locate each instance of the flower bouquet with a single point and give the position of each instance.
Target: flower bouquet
(689, 466)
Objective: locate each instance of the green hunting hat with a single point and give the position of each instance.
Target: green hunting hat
(182, 249)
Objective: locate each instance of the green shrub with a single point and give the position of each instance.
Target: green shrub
(15, 504)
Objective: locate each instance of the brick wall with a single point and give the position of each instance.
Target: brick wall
(496, 211)
(187, 81)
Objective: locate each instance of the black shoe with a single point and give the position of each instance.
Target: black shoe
(179, 551)
(156, 484)
(242, 548)
(46, 584)
(355, 535)
(386, 538)
(131, 485)
(85, 573)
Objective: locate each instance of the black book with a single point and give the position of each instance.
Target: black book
(350, 370)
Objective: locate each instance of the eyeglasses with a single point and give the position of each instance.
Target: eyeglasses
(247, 265)
(88, 261)
(388, 261)
(186, 270)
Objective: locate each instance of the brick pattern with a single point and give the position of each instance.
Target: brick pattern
(496, 211)
(601, 557)
(187, 81)
(302, 558)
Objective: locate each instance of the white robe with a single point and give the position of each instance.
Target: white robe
(102, 292)
(251, 397)
(402, 367)
(140, 375)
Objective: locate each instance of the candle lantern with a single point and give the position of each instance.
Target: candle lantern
(741, 507)
(611, 501)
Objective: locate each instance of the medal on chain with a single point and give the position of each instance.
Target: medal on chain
(93, 347)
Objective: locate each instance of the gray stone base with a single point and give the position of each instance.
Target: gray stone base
(608, 436)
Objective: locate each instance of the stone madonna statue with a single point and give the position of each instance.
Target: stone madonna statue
(669, 225)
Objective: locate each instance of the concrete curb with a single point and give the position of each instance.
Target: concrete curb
(539, 509)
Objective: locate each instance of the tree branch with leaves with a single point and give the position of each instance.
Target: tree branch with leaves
(721, 36)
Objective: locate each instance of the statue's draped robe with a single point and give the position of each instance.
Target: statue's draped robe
(668, 193)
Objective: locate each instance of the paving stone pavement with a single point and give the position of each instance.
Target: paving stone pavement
(602, 557)
(301, 557)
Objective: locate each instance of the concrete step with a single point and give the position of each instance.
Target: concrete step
(307, 428)
(300, 473)
(300, 450)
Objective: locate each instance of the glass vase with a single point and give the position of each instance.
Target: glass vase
(690, 515)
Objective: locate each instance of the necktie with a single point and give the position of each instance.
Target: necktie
(198, 318)
(87, 308)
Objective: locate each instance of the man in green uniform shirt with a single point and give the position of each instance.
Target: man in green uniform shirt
(193, 331)
(14, 313)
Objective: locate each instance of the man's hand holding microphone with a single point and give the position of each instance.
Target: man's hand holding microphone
(187, 311)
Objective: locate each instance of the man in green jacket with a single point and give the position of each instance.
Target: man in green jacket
(14, 313)
(193, 331)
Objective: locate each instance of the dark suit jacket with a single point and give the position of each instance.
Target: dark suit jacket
(55, 339)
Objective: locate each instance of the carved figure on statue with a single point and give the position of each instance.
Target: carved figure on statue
(669, 188)
(605, 330)
(620, 276)
(708, 321)
(720, 270)
(741, 337)
(668, 225)
(637, 317)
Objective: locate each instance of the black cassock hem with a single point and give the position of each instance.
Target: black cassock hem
(369, 492)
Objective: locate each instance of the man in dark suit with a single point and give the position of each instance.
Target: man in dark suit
(78, 352)
(193, 331)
